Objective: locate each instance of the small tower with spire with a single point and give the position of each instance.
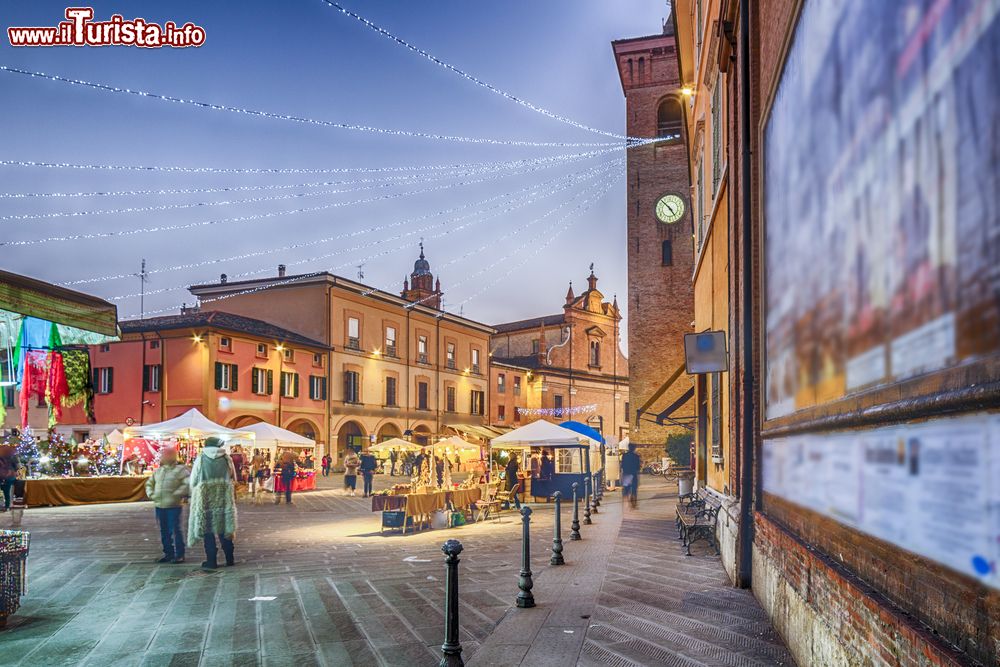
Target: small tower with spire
(421, 287)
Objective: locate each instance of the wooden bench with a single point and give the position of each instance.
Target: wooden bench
(697, 514)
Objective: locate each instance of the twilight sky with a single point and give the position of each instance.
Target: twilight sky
(301, 57)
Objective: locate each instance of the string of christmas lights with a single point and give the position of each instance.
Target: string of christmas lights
(469, 77)
(501, 209)
(297, 170)
(558, 412)
(458, 169)
(257, 253)
(296, 119)
(250, 218)
(291, 279)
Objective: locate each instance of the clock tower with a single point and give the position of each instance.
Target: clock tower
(660, 246)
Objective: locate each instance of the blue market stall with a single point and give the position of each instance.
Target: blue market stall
(570, 453)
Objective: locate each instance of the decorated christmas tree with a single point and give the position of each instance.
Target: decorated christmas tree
(27, 447)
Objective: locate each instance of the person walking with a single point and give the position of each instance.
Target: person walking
(351, 465)
(368, 466)
(286, 471)
(167, 487)
(393, 457)
(213, 503)
(511, 476)
(239, 460)
(9, 465)
(630, 465)
(325, 465)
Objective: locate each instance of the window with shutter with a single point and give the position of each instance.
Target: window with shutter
(716, 136)
(390, 392)
(352, 387)
(270, 382)
(449, 401)
(422, 396)
(716, 419)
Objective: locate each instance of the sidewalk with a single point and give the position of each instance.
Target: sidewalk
(645, 603)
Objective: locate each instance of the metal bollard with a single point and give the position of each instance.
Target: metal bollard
(557, 545)
(599, 492)
(451, 650)
(586, 503)
(574, 533)
(593, 496)
(524, 598)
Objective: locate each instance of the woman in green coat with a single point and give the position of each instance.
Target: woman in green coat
(213, 502)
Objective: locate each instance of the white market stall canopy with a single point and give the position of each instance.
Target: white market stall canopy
(395, 443)
(455, 443)
(191, 424)
(269, 435)
(542, 433)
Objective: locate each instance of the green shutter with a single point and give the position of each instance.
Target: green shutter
(235, 373)
(218, 375)
(145, 378)
(254, 381)
(111, 380)
(295, 385)
(270, 382)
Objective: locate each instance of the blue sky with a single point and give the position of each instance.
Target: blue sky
(301, 57)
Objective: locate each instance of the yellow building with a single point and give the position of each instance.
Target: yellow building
(399, 366)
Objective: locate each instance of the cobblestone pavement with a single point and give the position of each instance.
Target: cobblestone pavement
(332, 590)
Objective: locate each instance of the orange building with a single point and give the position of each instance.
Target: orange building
(237, 370)
(399, 366)
(564, 366)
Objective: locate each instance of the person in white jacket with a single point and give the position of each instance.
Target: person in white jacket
(167, 487)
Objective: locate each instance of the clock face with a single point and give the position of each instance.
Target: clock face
(669, 209)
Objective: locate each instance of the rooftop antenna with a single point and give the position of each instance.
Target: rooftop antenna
(361, 273)
(143, 277)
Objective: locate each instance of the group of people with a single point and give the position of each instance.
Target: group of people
(367, 464)
(210, 485)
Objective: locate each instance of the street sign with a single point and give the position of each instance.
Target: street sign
(705, 352)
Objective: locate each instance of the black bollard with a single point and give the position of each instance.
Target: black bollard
(593, 495)
(451, 650)
(524, 598)
(586, 502)
(574, 532)
(599, 494)
(557, 545)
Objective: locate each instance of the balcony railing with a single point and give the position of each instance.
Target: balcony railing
(353, 343)
(475, 369)
(422, 359)
(450, 364)
(390, 350)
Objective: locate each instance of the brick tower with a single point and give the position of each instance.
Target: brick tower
(660, 254)
(421, 286)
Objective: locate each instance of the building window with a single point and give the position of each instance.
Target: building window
(151, 377)
(390, 341)
(422, 349)
(517, 414)
(422, 403)
(319, 361)
(716, 418)
(226, 344)
(716, 136)
(535, 345)
(631, 71)
(317, 387)
(669, 120)
(642, 70)
(290, 385)
(352, 387)
(289, 355)
(226, 377)
(105, 348)
(154, 345)
(595, 353)
(667, 253)
(450, 355)
(477, 403)
(501, 383)
(475, 360)
(449, 400)
(557, 405)
(501, 412)
(517, 385)
(390, 392)
(353, 333)
(262, 350)
(700, 208)
(262, 381)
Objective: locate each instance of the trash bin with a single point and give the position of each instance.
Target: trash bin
(685, 483)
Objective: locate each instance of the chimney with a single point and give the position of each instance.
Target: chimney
(223, 279)
(281, 270)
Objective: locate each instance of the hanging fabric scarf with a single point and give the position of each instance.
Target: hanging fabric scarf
(34, 379)
(56, 389)
(79, 386)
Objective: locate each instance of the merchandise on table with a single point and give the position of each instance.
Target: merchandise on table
(13, 571)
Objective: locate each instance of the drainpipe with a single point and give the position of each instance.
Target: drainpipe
(163, 376)
(744, 571)
(142, 384)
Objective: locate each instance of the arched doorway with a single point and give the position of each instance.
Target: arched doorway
(388, 432)
(422, 435)
(244, 420)
(305, 428)
(350, 435)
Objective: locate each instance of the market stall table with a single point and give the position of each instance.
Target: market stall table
(415, 509)
(83, 490)
(299, 483)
